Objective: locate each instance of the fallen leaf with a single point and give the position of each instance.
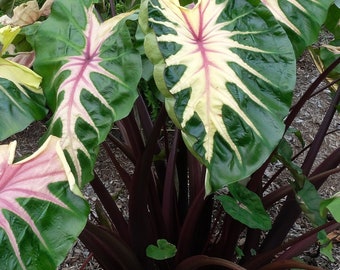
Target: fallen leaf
(5, 20)
(334, 236)
(24, 58)
(25, 14)
(46, 8)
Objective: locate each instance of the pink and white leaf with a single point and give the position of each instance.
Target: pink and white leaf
(30, 179)
(90, 77)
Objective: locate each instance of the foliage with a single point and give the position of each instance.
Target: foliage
(163, 250)
(219, 75)
(328, 53)
(38, 223)
(22, 96)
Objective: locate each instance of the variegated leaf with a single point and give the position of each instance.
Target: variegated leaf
(21, 99)
(40, 217)
(228, 74)
(301, 19)
(90, 75)
(326, 54)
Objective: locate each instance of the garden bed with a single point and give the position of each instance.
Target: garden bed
(307, 122)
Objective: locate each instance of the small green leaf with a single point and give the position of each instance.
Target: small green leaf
(297, 134)
(326, 245)
(246, 207)
(333, 206)
(284, 153)
(306, 194)
(310, 201)
(164, 250)
(239, 252)
(324, 56)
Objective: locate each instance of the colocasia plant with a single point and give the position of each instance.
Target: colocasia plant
(199, 94)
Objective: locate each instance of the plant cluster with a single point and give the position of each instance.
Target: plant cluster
(199, 94)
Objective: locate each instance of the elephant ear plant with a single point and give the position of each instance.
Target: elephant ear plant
(222, 71)
(220, 80)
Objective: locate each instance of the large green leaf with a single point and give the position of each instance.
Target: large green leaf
(227, 70)
(40, 218)
(90, 72)
(301, 19)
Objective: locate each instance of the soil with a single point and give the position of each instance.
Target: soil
(307, 122)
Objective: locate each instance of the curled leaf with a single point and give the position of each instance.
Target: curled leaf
(24, 58)
(46, 8)
(20, 75)
(7, 35)
(26, 13)
(21, 99)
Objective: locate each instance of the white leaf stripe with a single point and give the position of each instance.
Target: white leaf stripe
(274, 7)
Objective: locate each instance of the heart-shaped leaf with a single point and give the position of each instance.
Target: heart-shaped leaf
(324, 56)
(164, 250)
(246, 207)
(90, 72)
(310, 200)
(332, 205)
(227, 70)
(40, 217)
